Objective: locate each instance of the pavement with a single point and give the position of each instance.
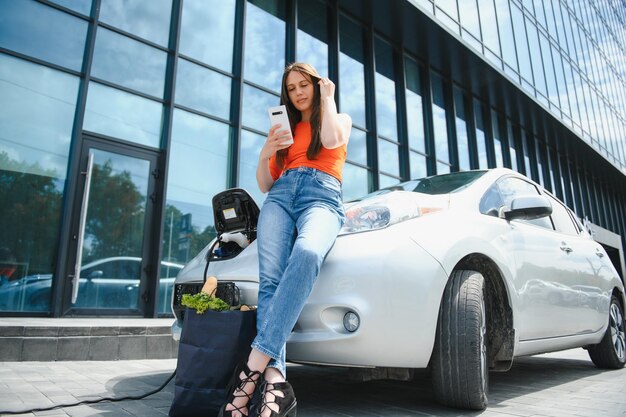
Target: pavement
(562, 384)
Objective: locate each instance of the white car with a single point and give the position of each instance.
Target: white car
(460, 273)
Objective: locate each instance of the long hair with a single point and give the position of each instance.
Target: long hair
(295, 116)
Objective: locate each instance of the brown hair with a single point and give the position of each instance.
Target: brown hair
(294, 114)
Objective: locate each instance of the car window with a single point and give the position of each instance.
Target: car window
(561, 218)
(504, 191)
(437, 184)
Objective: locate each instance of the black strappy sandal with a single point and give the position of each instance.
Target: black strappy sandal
(286, 405)
(235, 390)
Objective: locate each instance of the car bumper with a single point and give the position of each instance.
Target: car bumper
(395, 288)
(389, 281)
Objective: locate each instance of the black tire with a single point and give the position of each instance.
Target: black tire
(459, 362)
(610, 353)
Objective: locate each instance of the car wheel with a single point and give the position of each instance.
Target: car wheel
(459, 363)
(610, 353)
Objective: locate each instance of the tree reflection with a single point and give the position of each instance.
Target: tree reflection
(31, 212)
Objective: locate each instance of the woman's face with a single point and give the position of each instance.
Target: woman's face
(300, 91)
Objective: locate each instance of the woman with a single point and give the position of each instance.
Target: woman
(298, 225)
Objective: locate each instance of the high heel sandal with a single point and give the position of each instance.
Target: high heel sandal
(286, 404)
(235, 390)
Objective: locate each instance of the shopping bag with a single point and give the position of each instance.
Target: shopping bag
(211, 345)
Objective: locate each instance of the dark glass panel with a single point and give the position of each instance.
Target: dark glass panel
(264, 60)
(202, 89)
(147, 19)
(414, 106)
(352, 71)
(440, 129)
(35, 133)
(43, 32)
(207, 31)
(462, 137)
(312, 35)
(129, 63)
(386, 112)
(119, 114)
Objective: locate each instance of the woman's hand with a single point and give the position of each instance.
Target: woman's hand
(327, 88)
(274, 142)
(335, 126)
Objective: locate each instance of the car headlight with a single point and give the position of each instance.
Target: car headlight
(383, 211)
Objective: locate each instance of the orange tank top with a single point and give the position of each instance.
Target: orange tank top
(330, 161)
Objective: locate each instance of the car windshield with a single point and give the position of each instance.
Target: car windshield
(437, 184)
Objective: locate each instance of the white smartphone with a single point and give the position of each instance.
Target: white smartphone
(278, 116)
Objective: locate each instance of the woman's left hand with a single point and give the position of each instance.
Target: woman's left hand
(327, 88)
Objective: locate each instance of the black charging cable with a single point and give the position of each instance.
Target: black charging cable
(108, 399)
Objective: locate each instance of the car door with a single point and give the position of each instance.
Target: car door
(543, 302)
(585, 272)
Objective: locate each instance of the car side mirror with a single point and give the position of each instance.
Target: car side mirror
(528, 207)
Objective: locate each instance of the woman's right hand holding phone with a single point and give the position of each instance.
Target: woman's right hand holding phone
(275, 141)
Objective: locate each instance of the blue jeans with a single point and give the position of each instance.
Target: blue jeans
(298, 225)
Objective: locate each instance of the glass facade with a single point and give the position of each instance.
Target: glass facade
(181, 87)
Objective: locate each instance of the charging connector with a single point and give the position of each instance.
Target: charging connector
(237, 237)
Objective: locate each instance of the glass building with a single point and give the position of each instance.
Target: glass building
(121, 119)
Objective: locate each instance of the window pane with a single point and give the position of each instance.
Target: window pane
(199, 150)
(488, 25)
(386, 118)
(42, 32)
(512, 149)
(35, 132)
(147, 19)
(521, 43)
(440, 129)
(535, 54)
(388, 157)
(249, 150)
(526, 154)
(357, 146)
(470, 22)
(80, 6)
(480, 136)
(387, 181)
(207, 31)
(497, 142)
(313, 35)
(553, 94)
(351, 71)
(505, 30)
(355, 182)
(254, 108)
(414, 109)
(202, 89)
(264, 60)
(132, 64)
(122, 115)
(418, 165)
(462, 137)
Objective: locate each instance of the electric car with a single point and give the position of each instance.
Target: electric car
(459, 273)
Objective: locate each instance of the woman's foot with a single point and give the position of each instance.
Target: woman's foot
(279, 400)
(240, 392)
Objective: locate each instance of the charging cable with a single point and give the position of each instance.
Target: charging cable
(110, 399)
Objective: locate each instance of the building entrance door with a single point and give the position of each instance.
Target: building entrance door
(110, 261)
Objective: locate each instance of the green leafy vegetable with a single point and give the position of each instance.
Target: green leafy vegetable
(202, 302)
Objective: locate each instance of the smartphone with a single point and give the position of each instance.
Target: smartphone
(278, 116)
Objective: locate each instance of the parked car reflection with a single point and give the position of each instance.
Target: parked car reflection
(105, 283)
